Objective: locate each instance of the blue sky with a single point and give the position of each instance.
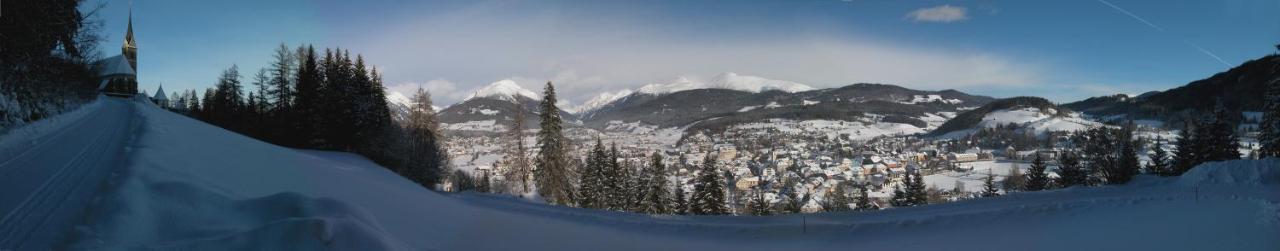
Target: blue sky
(1062, 50)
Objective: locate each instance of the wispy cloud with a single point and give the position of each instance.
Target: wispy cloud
(939, 14)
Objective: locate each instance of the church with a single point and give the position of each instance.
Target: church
(119, 74)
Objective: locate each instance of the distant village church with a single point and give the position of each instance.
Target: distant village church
(118, 74)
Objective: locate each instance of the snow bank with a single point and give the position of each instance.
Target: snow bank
(1235, 172)
(28, 135)
(193, 186)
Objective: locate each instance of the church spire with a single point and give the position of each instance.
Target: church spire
(130, 48)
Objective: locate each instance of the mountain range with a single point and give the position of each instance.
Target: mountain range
(730, 99)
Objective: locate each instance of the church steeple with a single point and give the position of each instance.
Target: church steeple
(130, 48)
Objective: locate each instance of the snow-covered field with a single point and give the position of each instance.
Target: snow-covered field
(193, 186)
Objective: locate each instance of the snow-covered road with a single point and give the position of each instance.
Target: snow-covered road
(47, 183)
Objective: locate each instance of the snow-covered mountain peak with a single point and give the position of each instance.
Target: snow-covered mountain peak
(398, 98)
(600, 101)
(503, 89)
(727, 80)
(733, 81)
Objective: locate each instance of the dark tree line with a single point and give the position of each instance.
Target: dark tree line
(46, 55)
(329, 102)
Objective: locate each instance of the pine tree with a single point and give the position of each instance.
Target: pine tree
(863, 200)
(1159, 163)
(989, 186)
(1220, 140)
(615, 181)
(679, 205)
(708, 192)
(1127, 164)
(1070, 173)
(1269, 135)
(900, 197)
(916, 189)
(1037, 178)
(656, 196)
(308, 102)
(1187, 152)
(553, 172)
(591, 190)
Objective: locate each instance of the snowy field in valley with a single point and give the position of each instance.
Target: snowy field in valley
(190, 185)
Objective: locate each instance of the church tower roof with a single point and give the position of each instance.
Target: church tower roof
(130, 48)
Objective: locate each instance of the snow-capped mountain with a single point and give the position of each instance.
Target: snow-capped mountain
(503, 89)
(400, 105)
(600, 101)
(493, 107)
(729, 81)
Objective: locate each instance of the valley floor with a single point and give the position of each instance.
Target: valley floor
(192, 186)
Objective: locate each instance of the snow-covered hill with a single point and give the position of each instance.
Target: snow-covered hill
(1027, 113)
(194, 186)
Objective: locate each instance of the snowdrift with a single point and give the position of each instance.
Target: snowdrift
(194, 186)
(1264, 172)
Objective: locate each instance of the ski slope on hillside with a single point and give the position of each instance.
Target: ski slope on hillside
(47, 177)
(190, 185)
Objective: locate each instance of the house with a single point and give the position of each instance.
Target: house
(747, 183)
(962, 157)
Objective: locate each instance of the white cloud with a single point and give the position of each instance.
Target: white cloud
(939, 14)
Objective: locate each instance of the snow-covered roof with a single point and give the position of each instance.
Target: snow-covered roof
(117, 65)
(160, 94)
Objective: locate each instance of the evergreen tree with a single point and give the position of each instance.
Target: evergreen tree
(680, 205)
(708, 192)
(989, 186)
(863, 200)
(1127, 165)
(656, 196)
(1187, 150)
(553, 172)
(916, 189)
(1037, 178)
(900, 197)
(1070, 173)
(1269, 135)
(1159, 163)
(308, 102)
(1219, 138)
(591, 188)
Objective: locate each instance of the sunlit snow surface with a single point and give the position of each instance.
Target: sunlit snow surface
(194, 186)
